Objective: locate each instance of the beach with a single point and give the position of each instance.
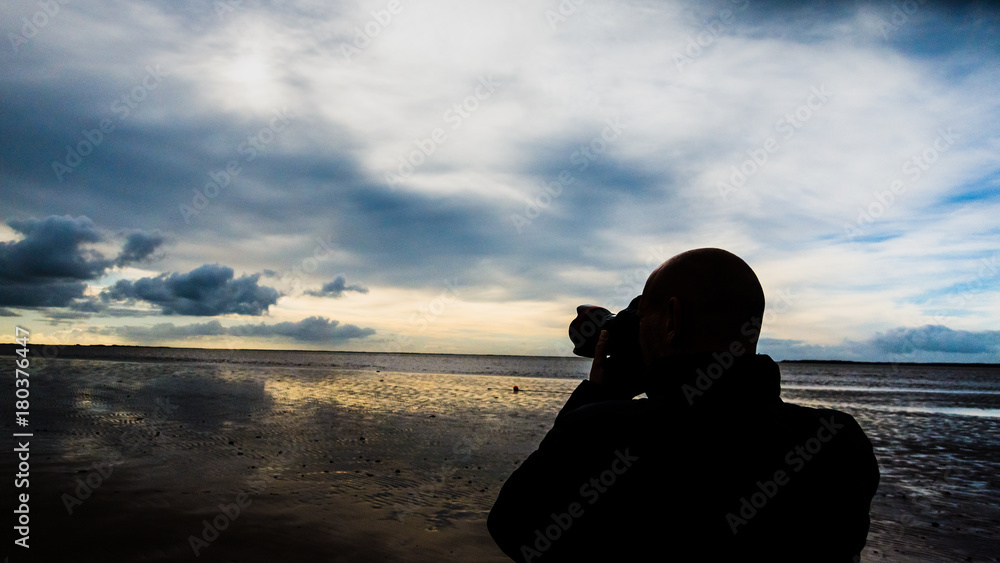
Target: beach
(236, 456)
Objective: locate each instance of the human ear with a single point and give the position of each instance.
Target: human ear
(673, 325)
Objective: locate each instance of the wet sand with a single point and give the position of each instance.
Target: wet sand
(338, 465)
(334, 466)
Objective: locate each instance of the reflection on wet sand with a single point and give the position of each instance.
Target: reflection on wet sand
(144, 460)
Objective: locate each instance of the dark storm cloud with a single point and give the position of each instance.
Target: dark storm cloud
(51, 293)
(313, 329)
(205, 291)
(138, 247)
(336, 288)
(50, 266)
(936, 338)
(51, 248)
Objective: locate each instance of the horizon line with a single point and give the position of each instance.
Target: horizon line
(4, 347)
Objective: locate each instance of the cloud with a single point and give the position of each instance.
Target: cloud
(336, 288)
(893, 85)
(50, 293)
(52, 249)
(138, 247)
(91, 306)
(50, 266)
(936, 338)
(88, 305)
(313, 329)
(929, 343)
(205, 291)
(167, 331)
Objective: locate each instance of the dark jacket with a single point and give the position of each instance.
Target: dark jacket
(713, 466)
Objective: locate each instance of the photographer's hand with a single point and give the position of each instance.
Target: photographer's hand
(625, 383)
(597, 367)
(604, 383)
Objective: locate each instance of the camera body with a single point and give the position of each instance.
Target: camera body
(624, 353)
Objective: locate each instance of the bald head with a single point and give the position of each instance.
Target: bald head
(699, 301)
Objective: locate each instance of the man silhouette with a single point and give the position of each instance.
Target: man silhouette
(712, 466)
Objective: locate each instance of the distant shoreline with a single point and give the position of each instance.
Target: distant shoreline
(934, 364)
(117, 351)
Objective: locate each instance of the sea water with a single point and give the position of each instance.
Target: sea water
(432, 437)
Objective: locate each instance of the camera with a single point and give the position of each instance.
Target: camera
(623, 349)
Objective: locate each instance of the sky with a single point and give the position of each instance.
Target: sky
(456, 177)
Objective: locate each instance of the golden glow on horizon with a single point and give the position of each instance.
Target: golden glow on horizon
(405, 320)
